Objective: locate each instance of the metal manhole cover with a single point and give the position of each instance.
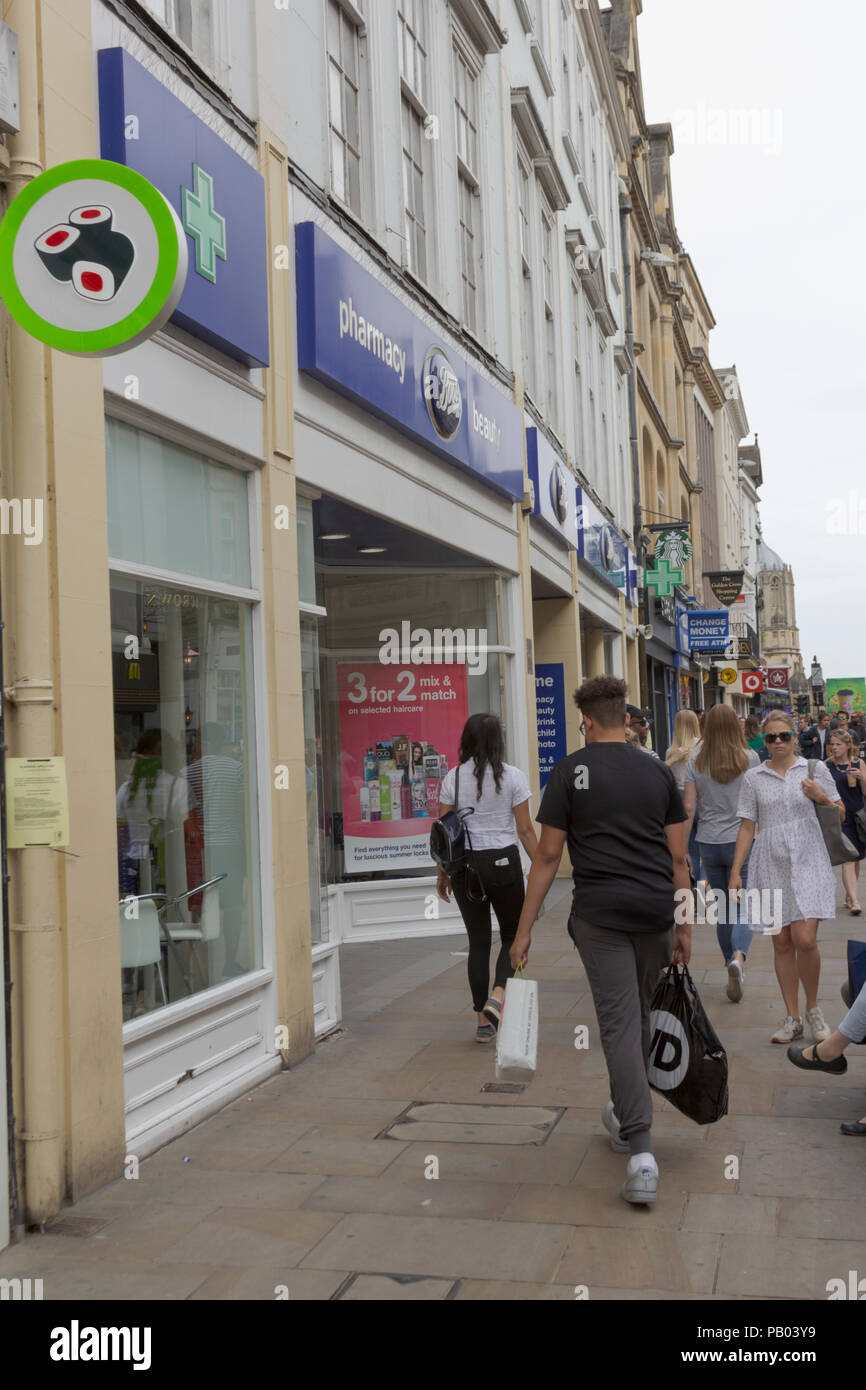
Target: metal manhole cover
(440, 1122)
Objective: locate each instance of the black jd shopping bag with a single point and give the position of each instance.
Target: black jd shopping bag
(687, 1063)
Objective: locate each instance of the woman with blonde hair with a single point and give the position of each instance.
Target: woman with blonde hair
(849, 774)
(713, 778)
(791, 859)
(687, 738)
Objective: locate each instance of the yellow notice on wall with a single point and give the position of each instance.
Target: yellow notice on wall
(37, 806)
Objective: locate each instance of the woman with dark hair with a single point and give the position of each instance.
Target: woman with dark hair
(849, 774)
(754, 739)
(498, 795)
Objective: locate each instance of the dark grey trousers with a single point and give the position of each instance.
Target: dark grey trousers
(623, 969)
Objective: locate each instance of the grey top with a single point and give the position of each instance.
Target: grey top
(718, 821)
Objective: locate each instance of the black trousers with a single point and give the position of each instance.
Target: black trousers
(501, 873)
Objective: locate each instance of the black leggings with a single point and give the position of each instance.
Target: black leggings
(503, 882)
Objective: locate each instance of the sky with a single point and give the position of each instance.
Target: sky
(766, 100)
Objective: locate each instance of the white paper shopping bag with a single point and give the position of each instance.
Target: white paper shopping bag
(517, 1039)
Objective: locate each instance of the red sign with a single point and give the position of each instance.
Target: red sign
(777, 678)
(753, 681)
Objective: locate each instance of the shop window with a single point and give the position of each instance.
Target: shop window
(185, 756)
(344, 115)
(200, 26)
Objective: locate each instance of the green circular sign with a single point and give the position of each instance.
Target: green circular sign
(93, 258)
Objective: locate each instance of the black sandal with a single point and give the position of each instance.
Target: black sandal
(837, 1067)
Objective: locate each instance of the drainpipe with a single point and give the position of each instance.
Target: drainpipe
(35, 905)
(640, 548)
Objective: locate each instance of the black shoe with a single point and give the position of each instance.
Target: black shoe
(837, 1067)
(856, 1128)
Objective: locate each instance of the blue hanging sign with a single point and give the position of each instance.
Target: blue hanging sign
(708, 630)
(550, 712)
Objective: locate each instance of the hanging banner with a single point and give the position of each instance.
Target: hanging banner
(550, 716)
(399, 733)
(709, 630)
(776, 677)
(846, 695)
(726, 585)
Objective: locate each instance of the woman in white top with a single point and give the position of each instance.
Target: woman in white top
(687, 741)
(789, 858)
(498, 795)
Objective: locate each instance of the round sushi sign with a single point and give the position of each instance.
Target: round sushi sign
(93, 258)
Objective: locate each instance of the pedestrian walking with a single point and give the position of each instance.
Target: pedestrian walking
(622, 818)
(498, 795)
(849, 774)
(640, 720)
(753, 734)
(813, 742)
(687, 739)
(712, 782)
(828, 1055)
(790, 859)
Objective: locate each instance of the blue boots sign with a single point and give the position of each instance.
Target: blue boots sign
(218, 196)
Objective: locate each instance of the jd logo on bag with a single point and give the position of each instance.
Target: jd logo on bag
(669, 1051)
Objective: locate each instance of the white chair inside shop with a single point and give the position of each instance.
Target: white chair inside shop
(179, 928)
(140, 938)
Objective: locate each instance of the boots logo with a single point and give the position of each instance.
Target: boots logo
(93, 258)
(442, 394)
(669, 1051)
(559, 493)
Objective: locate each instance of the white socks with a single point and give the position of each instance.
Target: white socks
(638, 1161)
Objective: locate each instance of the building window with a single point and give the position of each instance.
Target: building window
(548, 277)
(413, 47)
(194, 24)
(579, 444)
(344, 106)
(184, 728)
(524, 188)
(468, 183)
(414, 220)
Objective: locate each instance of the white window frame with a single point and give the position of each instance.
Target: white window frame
(525, 181)
(218, 64)
(351, 15)
(463, 54)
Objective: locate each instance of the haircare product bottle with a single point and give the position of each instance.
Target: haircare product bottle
(395, 782)
(401, 750)
(419, 797)
(385, 796)
(431, 785)
(375, 801)
(405, 796)
(371, 765)
(365, 802)
(443, 765)
(431, 762)
(417, 759)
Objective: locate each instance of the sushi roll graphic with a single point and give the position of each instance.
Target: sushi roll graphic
(88, 252)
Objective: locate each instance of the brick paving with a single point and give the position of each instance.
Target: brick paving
(297, 1186)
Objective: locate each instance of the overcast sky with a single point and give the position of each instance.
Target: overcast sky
(774, 219)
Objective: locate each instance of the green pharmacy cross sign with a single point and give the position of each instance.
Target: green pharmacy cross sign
(663, 580)
(205, 224)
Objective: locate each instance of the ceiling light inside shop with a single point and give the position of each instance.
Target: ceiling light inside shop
(335, 536)
(372, 549)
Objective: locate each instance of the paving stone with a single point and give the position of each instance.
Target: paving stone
(395, 1288)
(731, 1215)
(557, 1161)
(590, 1206)
(843, 1101)
(637, 1258)
(333, 1149)
(448, 1248)
(823, 1218)
(412, 1197)
(784, 1266)
(497, 1291)
(234, 1240)
(247, 1147)
(185, 1186)
(262, 1284)
(683, 1165)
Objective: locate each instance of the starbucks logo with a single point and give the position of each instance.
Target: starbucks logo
(442, 394)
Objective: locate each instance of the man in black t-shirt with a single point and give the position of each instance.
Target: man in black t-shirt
(622, 817)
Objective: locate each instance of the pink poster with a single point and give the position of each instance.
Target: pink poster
(399, 733)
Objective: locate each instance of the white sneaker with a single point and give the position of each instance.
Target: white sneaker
(735, 982)
(792, 1028)
(641, 1186)
(611, 1124)
(817, 1024)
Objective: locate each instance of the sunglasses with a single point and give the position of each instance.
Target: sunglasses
(778, 738)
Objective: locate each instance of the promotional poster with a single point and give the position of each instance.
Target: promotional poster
(399, 734)
(846, 695)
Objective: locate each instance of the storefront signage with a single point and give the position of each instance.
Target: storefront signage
(777, 678)
(662, 579)
(752, 682)
(218, 196)
(846, 695)
(399, 734)
(357, 337)
(93, 258)
(554, 493)
(550, 713)
(726, 585)
(674, 546)
(683, 649)
(601, 545)
(728, 676)
(708, 630)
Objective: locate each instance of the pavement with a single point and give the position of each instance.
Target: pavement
(320, 1184)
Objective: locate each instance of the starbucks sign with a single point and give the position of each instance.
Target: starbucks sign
(93, 258)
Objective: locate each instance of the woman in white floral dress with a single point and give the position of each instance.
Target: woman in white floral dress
(789, 857)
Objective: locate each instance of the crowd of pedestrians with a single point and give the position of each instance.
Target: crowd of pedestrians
(731, 810)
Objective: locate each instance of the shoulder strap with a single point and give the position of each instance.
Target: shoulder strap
(811, 768)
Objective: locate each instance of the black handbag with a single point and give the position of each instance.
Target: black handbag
(839, 847)
(449, 842)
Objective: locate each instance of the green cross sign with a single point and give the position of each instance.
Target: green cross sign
(663, 580)
(205, 224)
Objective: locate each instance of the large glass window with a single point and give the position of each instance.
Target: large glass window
(414, 215)
(185, 755)
(344, 63)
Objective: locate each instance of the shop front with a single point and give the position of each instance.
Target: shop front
(410, 460)
(608, 594)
